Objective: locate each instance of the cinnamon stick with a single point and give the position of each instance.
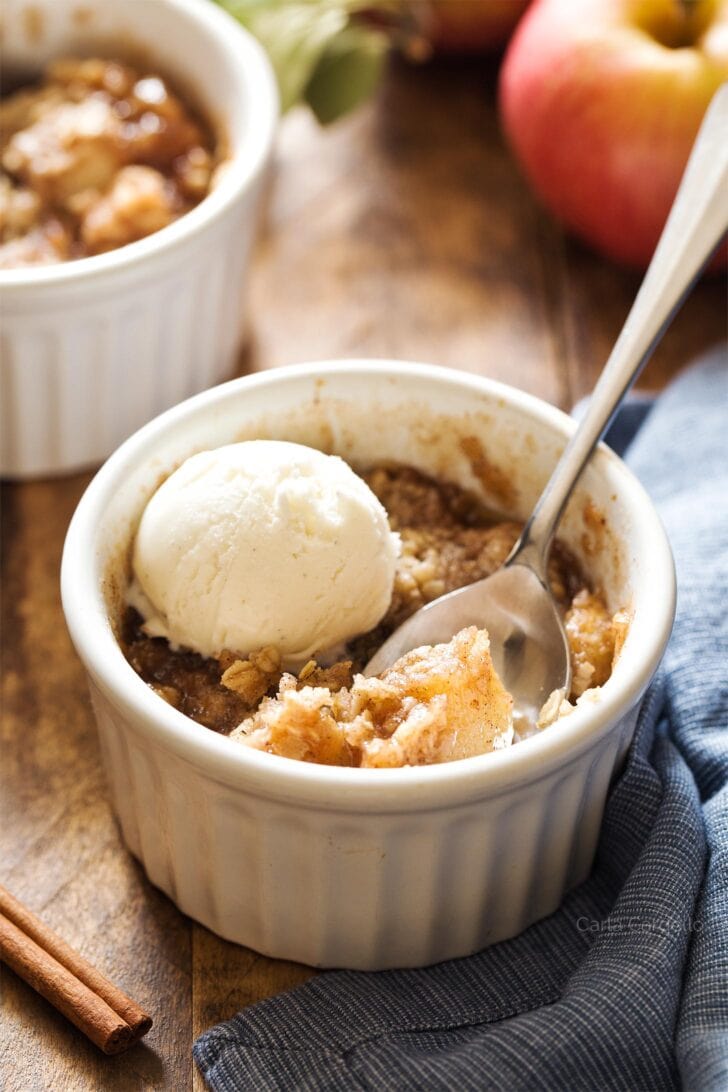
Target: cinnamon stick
(60, 974)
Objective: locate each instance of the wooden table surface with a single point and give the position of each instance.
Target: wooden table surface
(403, 231)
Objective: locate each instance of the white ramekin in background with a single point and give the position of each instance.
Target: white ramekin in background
(92, 349)
(351, 867)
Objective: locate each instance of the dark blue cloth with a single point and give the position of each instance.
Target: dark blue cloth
(626, 985)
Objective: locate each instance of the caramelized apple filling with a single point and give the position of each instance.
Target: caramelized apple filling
(97, 155)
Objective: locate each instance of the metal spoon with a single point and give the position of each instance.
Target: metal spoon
(528, 641)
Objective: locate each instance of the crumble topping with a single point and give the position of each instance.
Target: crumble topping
(435, 704)
(591, 635)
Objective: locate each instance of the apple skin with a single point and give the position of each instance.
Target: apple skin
(472, 26)
(602, 115)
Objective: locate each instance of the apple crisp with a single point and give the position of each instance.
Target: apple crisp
(95, 156)
(435, 704)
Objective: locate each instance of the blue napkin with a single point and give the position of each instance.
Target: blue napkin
(626, 985)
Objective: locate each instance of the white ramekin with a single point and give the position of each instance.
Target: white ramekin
(348, 867)
(91, 350)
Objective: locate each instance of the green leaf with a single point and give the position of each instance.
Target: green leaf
(294, 33)
(347, 73)
(319, 55)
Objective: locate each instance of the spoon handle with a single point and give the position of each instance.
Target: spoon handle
(697, 221)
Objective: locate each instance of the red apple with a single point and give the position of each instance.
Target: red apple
(601, 101)
(472, 26)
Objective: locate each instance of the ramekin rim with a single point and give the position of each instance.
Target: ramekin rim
(403, 789)
(239, 170)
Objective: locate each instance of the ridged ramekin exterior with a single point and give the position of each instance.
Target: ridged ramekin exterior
(80, 375)
(91, 350)
(341, 889)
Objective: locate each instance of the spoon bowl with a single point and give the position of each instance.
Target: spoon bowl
(528, 643)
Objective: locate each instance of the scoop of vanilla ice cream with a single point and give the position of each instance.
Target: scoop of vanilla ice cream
(263, 543)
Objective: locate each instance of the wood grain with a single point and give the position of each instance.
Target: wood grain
(403, 231)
